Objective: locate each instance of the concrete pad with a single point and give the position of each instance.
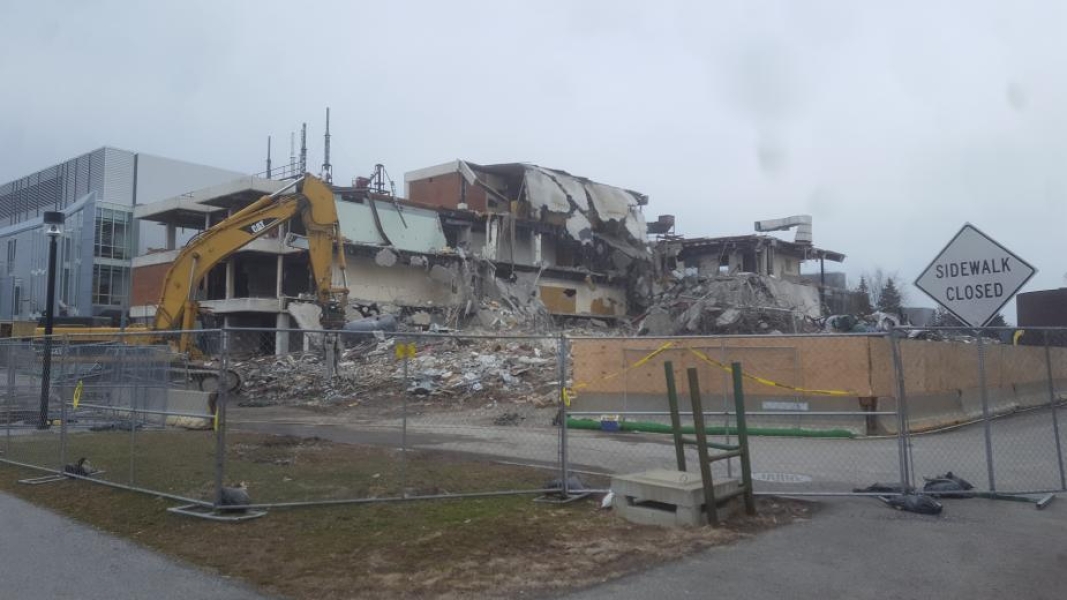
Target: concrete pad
(667, 498)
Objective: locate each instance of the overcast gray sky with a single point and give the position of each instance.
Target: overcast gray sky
(891, 125)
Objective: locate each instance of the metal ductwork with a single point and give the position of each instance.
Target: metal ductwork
(801, 222)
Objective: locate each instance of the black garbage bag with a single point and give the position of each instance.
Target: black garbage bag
(916, 503)
(884, 488)
(947, 486)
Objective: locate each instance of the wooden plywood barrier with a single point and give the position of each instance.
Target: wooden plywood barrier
(861, 366)
(614, 366)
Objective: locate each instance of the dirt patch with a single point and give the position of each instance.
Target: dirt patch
(492, 547)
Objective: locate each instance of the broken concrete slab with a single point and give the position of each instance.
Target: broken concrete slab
(385, 258)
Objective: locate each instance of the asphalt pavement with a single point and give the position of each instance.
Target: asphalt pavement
(860, 549)
(45, 555)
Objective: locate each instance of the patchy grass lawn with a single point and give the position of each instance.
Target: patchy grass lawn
(494, 547)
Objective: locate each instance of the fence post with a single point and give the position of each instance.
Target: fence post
(10, 355)
(128, 372)
(742, 438)
(561, 363)
(985, 411)
(63, 404)
(1052, 407)
(221, 395)
(330, 340)
(902, 418)
(726, 405)
(403, 352)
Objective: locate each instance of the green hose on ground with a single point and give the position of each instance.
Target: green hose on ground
(647, 427)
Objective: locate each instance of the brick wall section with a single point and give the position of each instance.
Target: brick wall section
(446, 191)
(147, 284)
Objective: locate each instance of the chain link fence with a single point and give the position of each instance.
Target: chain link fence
(323, 417)
(816, 422)
(985, 404)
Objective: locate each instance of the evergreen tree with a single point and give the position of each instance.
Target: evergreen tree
(889, 299)
(863, 292)
(943, 318)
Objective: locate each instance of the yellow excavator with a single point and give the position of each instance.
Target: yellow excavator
(309, 198)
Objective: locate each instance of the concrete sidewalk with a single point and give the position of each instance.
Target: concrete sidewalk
(860, 549)
(44, 555)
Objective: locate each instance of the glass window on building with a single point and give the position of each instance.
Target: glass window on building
(109, 285)
(12, 246)
(16, 298)
(112, 233)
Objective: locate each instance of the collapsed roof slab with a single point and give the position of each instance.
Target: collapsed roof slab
(189, 209)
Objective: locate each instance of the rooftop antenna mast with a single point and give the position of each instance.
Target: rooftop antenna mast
(292, 150)
(303, 149)
(268, 157)
(327, 168)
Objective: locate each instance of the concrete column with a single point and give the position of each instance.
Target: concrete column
(491, 234)
(278, 283)
(281, 338)
(172, 236)
(230, 276)
(537, 249)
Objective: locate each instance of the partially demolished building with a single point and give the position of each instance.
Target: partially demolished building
(578, 246)
(494, 246)
(739, 284)
(498, 245)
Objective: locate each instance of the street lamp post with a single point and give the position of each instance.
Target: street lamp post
(53, 223)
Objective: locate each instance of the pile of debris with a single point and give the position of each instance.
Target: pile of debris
(731, 304)
(447, 371)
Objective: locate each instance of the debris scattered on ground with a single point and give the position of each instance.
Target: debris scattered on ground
(234, 496)
(509, 418)
(884, 488)
(455, 370)
(916, 503)
(947, 486)
(81, 468)
(724, 304)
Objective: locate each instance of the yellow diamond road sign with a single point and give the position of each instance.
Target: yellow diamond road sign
(974, 276)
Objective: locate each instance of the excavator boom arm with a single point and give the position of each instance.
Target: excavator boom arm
(314, 203)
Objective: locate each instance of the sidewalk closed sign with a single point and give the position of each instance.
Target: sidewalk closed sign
(974, 276)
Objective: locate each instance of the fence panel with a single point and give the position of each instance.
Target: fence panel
(816, 421)
(337, 416)
(24, 440)
(980, 404)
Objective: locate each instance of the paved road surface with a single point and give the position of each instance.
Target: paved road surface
(44, 555)
(1024, 448)
(860, 549)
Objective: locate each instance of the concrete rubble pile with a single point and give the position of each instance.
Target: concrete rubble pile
(745, 303)
(447, 371)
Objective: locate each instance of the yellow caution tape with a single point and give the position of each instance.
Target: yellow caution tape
(1015, 338)
(640, 362)
(78, 393)
(566, 397)
(215, 421)
(704, 357)
(768, 382)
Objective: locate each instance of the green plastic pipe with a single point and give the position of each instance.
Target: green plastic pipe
(647, 427)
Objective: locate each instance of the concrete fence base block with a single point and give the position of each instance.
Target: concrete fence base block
(188, 401)
(667, 498)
